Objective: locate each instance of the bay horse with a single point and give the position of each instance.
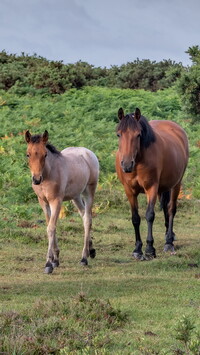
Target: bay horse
(151, 159)
(71, 174)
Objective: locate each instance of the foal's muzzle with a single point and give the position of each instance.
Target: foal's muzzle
(37, 181)
(127, 167)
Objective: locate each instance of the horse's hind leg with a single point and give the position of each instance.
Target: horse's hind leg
(164, 201)
(78, 202)
(88, 250)
(172, 205)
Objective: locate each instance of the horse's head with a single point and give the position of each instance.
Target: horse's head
(36, 154)
(129, 133)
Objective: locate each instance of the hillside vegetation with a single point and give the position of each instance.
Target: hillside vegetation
(86, 117)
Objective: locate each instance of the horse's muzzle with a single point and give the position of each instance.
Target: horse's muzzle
(127, 167)
(37, 181)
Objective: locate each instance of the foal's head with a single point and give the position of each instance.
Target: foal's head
(134, 133)
(36, 153)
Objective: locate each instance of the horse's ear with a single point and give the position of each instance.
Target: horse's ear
(121, 113)
(45, 137)
(27, 137)
(137, 114)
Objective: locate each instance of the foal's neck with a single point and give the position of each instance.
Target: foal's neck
(49, 166)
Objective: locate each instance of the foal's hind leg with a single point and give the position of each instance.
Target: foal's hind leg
(78, 202)
(88, 250)
(170, 236)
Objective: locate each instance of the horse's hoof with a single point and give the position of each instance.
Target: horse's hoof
(169, 247)
(92, 253)
(55, 263)
(48, 268)
(84, 262)
(138, 256)
(150, 256)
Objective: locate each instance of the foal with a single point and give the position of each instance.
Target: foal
(71, 174)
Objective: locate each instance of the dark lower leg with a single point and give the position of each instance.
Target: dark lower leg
(137, 252)
(170, 236)
(150, 215)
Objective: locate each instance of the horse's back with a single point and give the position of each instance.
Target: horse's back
(85, 158)
(173, 134)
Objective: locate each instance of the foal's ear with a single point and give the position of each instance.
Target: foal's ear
(137, 114)
(121, 113)
(27, 137)
(45, 137)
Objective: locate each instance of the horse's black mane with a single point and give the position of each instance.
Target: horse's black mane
(147, 133)
(52, 149)
(37, 138)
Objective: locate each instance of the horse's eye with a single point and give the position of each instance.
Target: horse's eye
(118, 135)
(45, 155)
(27, 155)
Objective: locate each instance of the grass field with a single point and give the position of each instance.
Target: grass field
(116, 305)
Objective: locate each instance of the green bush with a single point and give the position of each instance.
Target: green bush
(189, 85)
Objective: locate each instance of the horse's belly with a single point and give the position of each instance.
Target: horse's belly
(76, 182)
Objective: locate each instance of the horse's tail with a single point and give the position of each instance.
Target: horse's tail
(164, 199)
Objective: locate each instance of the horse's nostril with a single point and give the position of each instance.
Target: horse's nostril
(37, 181)
(128, 167)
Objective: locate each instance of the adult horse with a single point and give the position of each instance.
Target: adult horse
(151, 159)
(71, 174)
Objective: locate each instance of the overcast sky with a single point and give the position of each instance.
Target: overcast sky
(100, 32)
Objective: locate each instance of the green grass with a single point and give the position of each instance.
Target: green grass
(145, 299)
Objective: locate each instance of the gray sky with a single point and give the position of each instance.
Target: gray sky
(100, 32)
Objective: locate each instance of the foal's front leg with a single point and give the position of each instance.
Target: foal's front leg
(53, 250)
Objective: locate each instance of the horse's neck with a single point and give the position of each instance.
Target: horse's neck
(50, 165)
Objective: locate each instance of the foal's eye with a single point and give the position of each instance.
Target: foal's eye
(27, 155)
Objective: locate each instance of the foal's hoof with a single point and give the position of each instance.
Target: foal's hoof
(169, 247)
(48, 268)
(138, 256)
(84, 262)
(92, 253)
(55, 264)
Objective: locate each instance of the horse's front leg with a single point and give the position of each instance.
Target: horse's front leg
(53, 250)
(46, 209)
(150, 251)
(132, 197)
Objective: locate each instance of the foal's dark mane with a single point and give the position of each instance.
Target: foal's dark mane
(37, 138)
(147, 133)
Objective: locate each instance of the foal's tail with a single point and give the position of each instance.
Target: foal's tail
(164, 199)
